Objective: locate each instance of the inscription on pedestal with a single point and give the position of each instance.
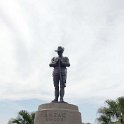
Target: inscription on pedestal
(57, 113)
(56, 116)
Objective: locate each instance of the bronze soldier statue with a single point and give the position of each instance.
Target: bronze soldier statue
(59, 73)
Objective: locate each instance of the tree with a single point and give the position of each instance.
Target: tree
(23, 117)
(113, 113)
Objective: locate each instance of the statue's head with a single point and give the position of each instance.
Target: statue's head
(60, 50)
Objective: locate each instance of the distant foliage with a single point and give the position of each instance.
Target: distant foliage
(23, 117)
(112, 113)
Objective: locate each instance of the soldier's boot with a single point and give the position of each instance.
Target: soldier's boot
(62, 92)
(56, 94)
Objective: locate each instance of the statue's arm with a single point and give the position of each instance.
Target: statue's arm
(53, 62)
(66, 62)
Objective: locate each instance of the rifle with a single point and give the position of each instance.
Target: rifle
(60, 72)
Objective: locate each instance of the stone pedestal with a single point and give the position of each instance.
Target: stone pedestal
(57, 113)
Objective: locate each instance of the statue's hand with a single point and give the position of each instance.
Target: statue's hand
(60, 59)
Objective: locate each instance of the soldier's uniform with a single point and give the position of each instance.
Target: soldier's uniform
(59, 75)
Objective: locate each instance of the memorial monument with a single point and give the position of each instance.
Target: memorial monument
(58, 111)
(59, 73)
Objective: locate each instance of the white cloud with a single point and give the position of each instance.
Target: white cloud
(90, 31)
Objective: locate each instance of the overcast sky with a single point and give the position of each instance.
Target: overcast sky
(92, 33)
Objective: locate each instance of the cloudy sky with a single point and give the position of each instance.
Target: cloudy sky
(92, 33)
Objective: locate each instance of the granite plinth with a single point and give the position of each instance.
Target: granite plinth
(57, 113)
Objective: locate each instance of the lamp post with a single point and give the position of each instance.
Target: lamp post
(121, 119)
